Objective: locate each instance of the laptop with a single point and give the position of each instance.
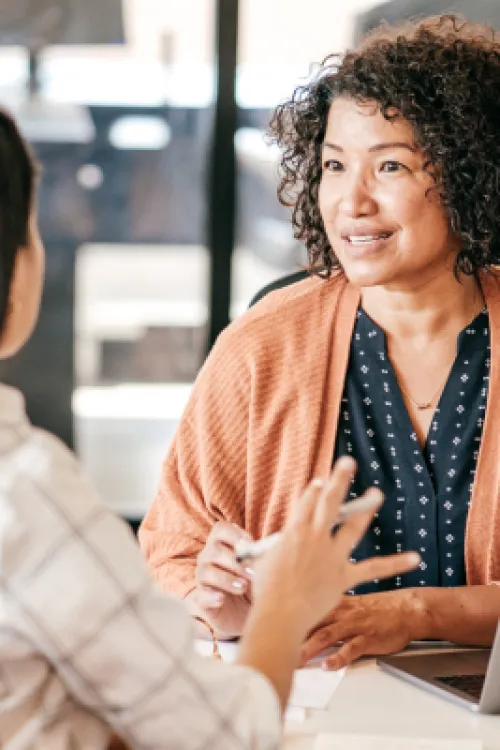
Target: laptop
(470, 677)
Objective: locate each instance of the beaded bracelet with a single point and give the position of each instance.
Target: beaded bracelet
(216, 652)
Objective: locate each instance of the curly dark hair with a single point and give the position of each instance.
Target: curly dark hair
(442, 75)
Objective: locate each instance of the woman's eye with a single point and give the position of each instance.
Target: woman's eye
(332, 165)
(392, 166)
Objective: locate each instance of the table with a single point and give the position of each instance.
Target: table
(369, 701)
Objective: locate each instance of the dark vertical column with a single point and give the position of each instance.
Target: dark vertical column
(221, 196)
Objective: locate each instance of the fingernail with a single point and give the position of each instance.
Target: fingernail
(317, 482)
(238, 585)
(250, 572)
(414, 558)
(347, 463)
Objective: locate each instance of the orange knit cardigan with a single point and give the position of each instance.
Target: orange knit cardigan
(261, 422)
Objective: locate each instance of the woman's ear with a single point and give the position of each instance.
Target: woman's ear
(25, 294)
(14, 329)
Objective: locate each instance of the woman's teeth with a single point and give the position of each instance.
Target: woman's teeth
(368, 238)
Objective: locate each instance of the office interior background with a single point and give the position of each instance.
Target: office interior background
(157, 201)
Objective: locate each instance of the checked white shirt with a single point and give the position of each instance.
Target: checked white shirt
(87, 640)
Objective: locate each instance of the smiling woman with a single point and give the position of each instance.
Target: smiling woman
(391, 164)
(438, 78)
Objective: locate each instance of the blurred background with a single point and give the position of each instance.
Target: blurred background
(158, 199)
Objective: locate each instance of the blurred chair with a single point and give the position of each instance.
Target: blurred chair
(279, 284)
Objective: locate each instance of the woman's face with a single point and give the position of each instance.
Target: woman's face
(383, 226)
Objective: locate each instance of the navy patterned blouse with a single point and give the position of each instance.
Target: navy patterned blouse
(427, 492)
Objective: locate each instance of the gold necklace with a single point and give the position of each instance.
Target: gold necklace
(427, 404)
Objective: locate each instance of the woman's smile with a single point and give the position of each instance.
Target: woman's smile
(365, 246)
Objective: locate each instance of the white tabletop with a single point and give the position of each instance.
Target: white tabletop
(369, 701)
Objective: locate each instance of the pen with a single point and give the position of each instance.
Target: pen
(245, 549)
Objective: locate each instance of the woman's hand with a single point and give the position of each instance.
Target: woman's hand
(309, 569)
(223, 586)
(298, 582)
(367, 625)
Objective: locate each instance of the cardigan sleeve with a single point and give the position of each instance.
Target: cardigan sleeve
(233, 456)
(203, 476)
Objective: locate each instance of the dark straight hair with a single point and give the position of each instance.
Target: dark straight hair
(18, 173)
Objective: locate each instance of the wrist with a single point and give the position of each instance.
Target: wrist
(420, 621)
(272, 635)
(286, 615)
(223, 629)
(271, 644)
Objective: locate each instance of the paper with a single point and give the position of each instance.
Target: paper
(295, 713)
(312, 687)
(369, 742)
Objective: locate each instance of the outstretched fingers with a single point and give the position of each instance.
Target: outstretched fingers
(384, 567)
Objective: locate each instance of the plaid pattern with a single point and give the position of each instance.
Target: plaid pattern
(87, 640)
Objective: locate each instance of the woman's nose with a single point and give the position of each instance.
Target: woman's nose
(356, 198)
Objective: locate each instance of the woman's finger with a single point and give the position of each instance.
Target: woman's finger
(226, 533)
(209, 599)
(209, 576)
(317, 643)
(224, 559)
(329, 636)
(383, 567)
(303, 509)
(355, 526)
(347, 653)
(334, 492)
